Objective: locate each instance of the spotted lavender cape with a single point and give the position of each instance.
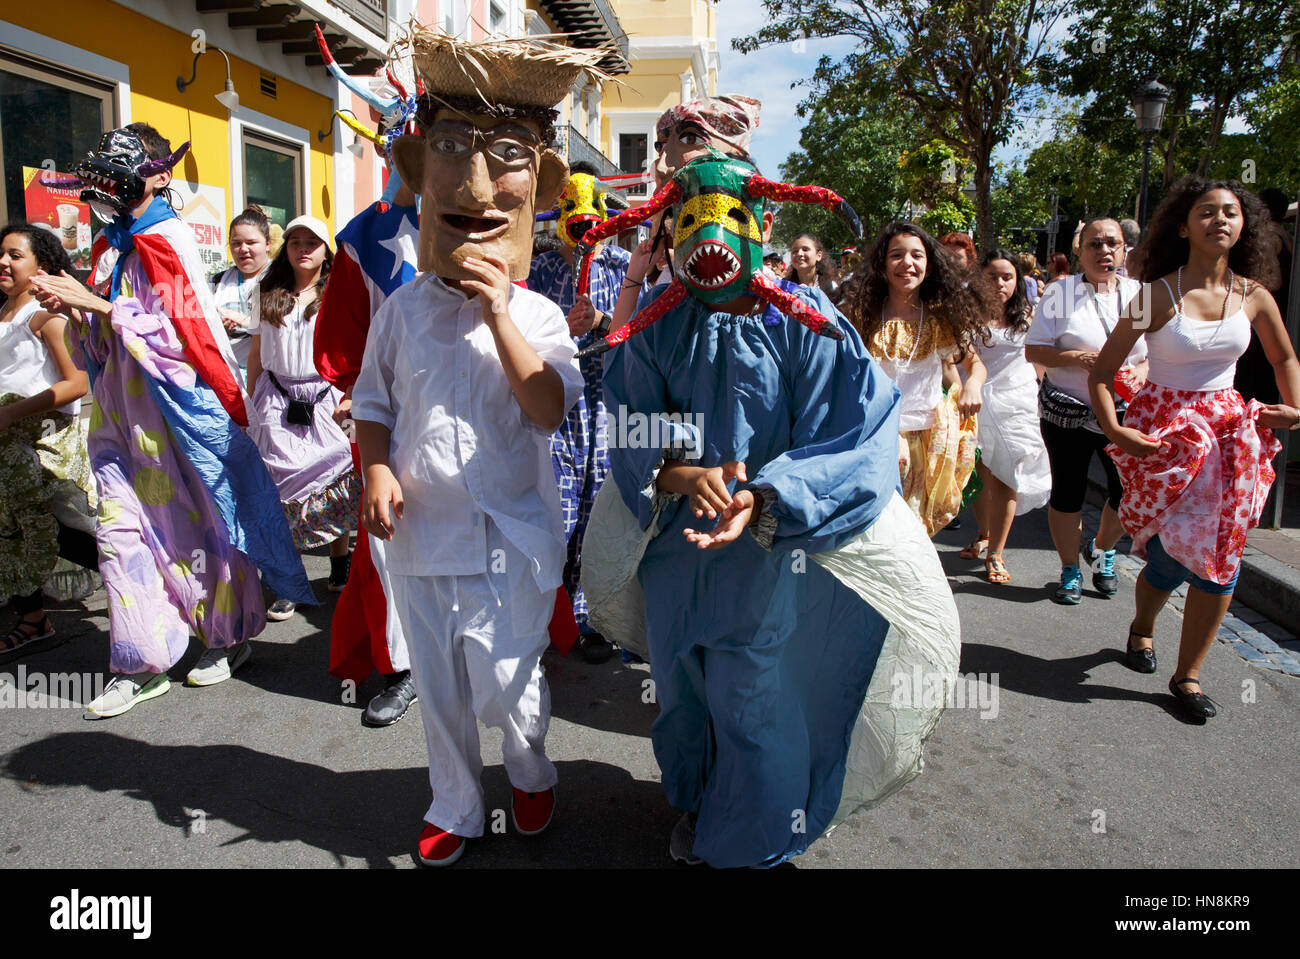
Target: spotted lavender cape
(188, 512)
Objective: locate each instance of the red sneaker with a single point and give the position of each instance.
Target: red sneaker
(532, 812)
(437, 847)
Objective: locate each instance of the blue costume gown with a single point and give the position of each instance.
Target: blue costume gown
(579, 448)
(760, 658)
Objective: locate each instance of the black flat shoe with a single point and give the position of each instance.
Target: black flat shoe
(1198, 705)
(391, 705)
(1140, 660)
(596, 648)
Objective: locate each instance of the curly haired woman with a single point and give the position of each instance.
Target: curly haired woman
(919, 316)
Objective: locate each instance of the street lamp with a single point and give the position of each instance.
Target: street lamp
(228, 98)
(355, 147)
(1149, 108)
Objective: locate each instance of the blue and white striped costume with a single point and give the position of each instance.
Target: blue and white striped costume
(580, 447)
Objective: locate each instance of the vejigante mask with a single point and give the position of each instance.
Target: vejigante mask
(585, 203)
(717, 203)
(113, 175)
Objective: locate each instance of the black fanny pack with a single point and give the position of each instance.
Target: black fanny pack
(1061, 409)
(300, 412)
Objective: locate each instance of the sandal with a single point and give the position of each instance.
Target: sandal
(1197, 704)
(975, 550)
(996, 570)
(27, 637)
(1140, 660)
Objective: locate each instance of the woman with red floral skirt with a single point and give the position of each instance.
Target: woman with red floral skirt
(1195, 459)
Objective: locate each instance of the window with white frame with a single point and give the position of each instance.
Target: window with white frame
(273, 175)
(453, 16)
(498, 18)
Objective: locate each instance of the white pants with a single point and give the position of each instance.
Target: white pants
(398, 657)
(476, 644)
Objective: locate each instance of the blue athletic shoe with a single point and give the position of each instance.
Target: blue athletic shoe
(1071, 589)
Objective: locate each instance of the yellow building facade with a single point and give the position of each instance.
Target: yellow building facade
(673, 52)
(100, 65)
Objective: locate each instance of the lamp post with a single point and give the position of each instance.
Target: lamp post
(1149, 109)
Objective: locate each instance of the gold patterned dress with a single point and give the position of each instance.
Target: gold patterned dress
(936, 448)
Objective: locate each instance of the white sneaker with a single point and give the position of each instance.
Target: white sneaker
(124, 691)
(281, 610)
(217, 665)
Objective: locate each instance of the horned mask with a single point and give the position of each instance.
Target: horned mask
(717, 206)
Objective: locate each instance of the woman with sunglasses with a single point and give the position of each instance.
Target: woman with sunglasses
(1070, 326)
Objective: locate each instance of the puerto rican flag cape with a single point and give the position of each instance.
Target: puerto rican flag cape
(375, 255)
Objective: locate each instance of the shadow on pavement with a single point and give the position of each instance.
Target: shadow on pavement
(1064, 680)
(604, 817)
(608, 697)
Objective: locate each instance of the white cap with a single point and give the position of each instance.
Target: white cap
(311, 223)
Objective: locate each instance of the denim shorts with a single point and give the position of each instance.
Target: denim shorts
(1166, 574)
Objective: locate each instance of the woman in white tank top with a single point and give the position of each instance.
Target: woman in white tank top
(1195, 459)
(46, 489)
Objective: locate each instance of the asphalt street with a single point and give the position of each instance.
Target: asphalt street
(1062, 758)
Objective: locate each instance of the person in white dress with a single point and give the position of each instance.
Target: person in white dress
(308, 454)
(1013, 465)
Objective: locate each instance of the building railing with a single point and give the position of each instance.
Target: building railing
(371, 14)
(577, 148)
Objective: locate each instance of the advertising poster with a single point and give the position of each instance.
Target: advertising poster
(60, 210)
(203, 208)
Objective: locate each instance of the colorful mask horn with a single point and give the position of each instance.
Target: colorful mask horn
(397, 113)
(717, 204)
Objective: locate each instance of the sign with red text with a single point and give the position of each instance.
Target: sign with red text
(60, 210)
(203, 210)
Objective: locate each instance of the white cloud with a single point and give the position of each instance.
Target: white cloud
(767, 75)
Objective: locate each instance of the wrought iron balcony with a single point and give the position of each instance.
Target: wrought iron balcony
(372, 14)
(575, 147)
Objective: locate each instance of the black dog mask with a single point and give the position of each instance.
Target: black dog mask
(114, 174)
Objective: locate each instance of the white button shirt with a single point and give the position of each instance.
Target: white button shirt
(462, 447)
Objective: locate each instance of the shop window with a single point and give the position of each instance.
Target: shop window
(273, 175)
(46, 115)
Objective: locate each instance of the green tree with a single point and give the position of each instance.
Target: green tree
(1089, 175)
(1274, 146)
(963, 66)
(1213, 55)
(1018, 203)
(851, 144)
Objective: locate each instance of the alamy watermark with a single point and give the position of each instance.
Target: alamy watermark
(658, 431)
(49, 690)
(926, 689)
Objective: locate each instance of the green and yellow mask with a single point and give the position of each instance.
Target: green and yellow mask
(717, 204)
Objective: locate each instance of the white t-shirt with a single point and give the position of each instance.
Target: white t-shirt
(1067, 318)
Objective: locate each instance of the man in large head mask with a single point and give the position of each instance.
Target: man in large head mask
(465, 377)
